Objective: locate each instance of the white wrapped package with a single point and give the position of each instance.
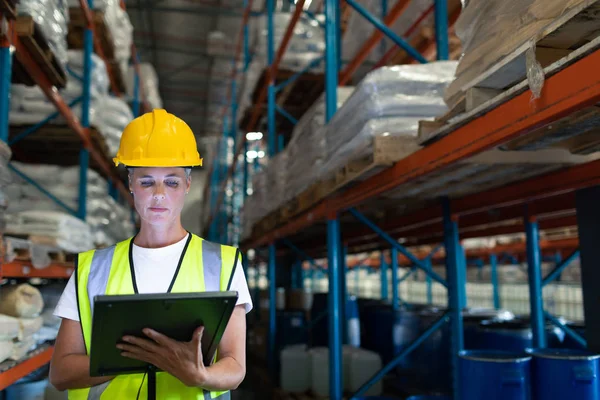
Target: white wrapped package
(99, 76)
(52, 16)
(399, 91)
(21, 348)
(30, 326)
(148, 81)
(68, 232)
(6, 349)
(362, 144)
(21, 301)
(9, 327)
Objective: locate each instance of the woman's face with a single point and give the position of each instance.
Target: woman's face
(159, 193)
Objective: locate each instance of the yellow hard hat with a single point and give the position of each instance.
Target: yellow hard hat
(158, 139)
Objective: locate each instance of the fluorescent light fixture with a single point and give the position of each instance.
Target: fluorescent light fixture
(254, 136)
(252, 154)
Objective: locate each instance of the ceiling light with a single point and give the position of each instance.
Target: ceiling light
(252, 154)
(254, 135)
(260, 154)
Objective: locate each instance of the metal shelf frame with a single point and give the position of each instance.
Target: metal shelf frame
(532, 200)
(12, 46)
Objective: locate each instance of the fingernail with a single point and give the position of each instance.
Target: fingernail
(119, 346)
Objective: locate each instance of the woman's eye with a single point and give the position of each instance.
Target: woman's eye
(146, 183)
(173, 183)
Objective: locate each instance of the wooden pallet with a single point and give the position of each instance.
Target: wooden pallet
(32, 38)
(78, 24)
(55, 144)
(75, 40)
(387, 150)
(479, 101)
(561, 37)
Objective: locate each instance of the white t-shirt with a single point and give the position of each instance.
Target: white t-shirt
(154, 270)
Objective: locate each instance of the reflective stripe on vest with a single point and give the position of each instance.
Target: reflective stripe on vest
(205, 266)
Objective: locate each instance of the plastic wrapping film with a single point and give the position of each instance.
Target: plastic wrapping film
(307, 149)
(359, 29)
(109, 221)
(52, 16)
(408, 91)
(482, 28)
(63, 230)
(119, 25)
(148, 81)
(108, 114)
(361, 145)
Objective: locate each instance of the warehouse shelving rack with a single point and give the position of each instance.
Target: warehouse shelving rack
(11, 46)
(557, 199)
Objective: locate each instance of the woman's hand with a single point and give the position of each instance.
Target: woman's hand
(183, 360)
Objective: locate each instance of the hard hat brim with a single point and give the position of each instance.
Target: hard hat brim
(159, 162)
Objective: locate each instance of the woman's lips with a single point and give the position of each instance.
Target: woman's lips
(158, 209)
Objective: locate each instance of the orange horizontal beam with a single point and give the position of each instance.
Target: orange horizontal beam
(24, 269)
(24, 368)
(50, 91)
(574, 87)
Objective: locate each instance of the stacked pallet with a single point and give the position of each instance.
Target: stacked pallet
(114, 31)
(546, 36)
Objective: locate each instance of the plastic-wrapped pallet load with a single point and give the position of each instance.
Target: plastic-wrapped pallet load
(109, 221)
(308, 146)
(21, 301)
(148, 84)
(277, 176)
(401, 94)
(52, 16)
(482, 28)
(108, 114)
(119, 25)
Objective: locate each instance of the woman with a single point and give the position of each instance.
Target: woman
(158, 149)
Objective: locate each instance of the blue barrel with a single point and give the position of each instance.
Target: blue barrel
(494, 375)
(513, 335)
(388, 332)
(473, 317)
(434, 376)
(353, 321)
(565, 374)
(429, 397)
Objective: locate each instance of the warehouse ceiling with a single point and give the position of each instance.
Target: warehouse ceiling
(191, 44)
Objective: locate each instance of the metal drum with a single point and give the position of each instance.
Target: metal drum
(388, 332)
(473, 317)
(494, 375)
(565, 374)
(429, 397)
(433, 376)
(513, 336)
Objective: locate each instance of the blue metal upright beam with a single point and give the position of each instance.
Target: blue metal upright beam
(272, 132)
(272, 310)
(403, 44)
(534, 269)
(332, 10)
(441, 29)
(428, 281)
(384, 280)
(454, 261)
(84, 155)
(343, 291)
(5, 79)
(335, 321)
(394, 266)
(494, 273)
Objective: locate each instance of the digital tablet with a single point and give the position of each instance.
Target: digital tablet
(176, 315)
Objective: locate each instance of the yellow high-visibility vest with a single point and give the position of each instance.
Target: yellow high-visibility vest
(203, 266)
